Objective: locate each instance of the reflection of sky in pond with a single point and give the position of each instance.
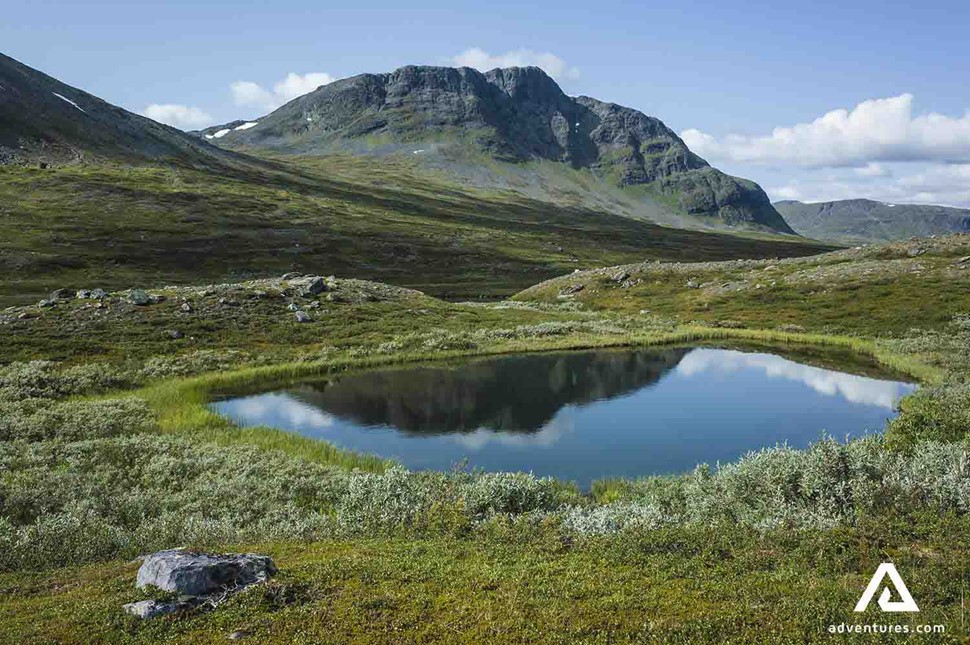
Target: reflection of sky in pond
(851, 387)
(680, 409)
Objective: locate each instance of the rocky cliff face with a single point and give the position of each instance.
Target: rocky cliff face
(513, 115)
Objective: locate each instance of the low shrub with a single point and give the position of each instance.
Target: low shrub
(38, 419)
(197, 362)
(47, 379)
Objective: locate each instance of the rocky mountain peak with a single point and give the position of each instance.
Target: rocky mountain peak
(525, 83)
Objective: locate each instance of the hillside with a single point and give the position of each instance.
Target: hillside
(878, 289)
(43, 120)
(449, 118)
(864, 220)
(111, 226)
(127, 201)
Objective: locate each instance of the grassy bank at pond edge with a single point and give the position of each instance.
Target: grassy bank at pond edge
(181, 404)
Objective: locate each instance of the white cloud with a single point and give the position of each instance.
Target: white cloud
(877, 130)
(873, 170)
(180, 116)
(483, 61)
(249, 93)
(944, 184)
(293, 85)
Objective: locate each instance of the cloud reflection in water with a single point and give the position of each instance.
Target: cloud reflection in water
(855, 389)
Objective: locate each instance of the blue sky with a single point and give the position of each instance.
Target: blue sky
(727, 74)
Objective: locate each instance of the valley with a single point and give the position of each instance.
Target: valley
(441, 243)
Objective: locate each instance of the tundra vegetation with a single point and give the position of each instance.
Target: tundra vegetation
(108, 451)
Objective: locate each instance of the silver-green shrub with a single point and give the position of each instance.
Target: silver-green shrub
(47, 379)
(38, 419)
(197, 362)
(828, 484)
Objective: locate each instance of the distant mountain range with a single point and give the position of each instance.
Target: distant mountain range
(864, 220)
(466, 122)
(43, 120)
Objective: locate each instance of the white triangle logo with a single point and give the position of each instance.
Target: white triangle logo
(905, 603)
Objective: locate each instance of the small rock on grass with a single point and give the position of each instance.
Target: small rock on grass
(150, 608)
(139, 297)
(620, 276)
(314, 287)
(302, 317)
(63, 294)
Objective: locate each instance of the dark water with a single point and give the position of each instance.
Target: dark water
(580, 416)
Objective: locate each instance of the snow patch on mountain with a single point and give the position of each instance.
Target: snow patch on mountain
(64, 98)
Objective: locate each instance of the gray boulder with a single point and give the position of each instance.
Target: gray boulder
(197, 574)
(139, 297)
(620, 276)
(63, 294)
(314, 287)
(302, 317)
(99, 294)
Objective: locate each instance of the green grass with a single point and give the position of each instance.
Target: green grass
(671, 586)
(875, 292)
(119, 227)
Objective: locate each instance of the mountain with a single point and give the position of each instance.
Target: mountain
(43, 120)
(515, 117)
(864, 220)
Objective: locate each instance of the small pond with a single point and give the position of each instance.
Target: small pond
(581, 416)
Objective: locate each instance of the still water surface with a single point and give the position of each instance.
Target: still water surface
(580, 416)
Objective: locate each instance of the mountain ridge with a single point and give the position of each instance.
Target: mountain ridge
(44, 120)
(514, 115)
(867, 220)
